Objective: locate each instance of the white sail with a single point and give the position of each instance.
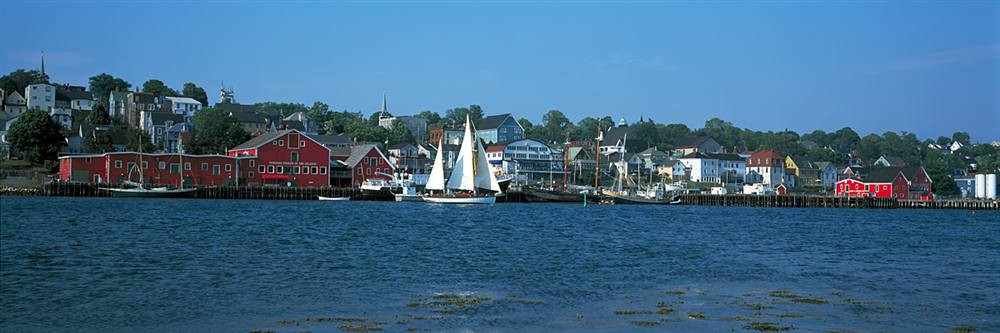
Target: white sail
(436, 180)
(485, 178)
(463, 176)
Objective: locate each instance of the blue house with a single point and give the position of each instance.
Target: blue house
(499, 128)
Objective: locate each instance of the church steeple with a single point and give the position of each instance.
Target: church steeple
(385, 107)
(43, 63)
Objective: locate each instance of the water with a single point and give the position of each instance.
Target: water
(112, 265)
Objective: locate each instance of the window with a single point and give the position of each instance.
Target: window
(187, 165)
(275, 142)
(250, 174)
(295, 156)
(262, 169)
(229, 167)
(302, 144)
(305, 170)
(204, 167)
(87, 159)
(270, 169)
(279, 169)
(369, 171)
(315, 170)
(175, 168)
(162, 165)
(216, 169)
(281, 142)
(118, 164)
(251, 163)
(295, 170)
(322, 170)
(145, 164)
(360, 171)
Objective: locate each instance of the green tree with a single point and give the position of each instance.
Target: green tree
(457, 115)
(284, 109)
(217, 131)
(97, 142)
(135, 136)
(103, 84)
(99, 116)
(556, 126)
(644, 134)
(37, 136)
(197, 93)
(844, 140)
(340, 122)
(399, 133)
(962, 137)
(19, 79)
(871, 148)
(670, 133)
(155, 86)
(433, 118)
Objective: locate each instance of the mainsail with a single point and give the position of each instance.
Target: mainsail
(463, 176)
(436, 181)
(472, 169)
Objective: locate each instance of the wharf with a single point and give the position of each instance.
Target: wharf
(802, 201)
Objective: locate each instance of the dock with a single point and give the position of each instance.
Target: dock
(803, 201)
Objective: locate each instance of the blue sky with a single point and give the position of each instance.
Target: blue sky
(924, 67)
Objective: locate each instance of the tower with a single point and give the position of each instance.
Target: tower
(226, 96)
(43, 63)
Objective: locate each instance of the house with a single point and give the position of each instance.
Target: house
(499, 128)
(781, 190)
(919, 182)
(14, 103)
(766, 167)
(407, 157)
(74, 97)
(5, 122)
(732, 167)
(451, 134)
(184, 106)
(704, 144)
(368, 161)
(156, 123)
(40, 96)
(529, 159)
(332, 141)
(285, 158)
(137, 103)
(615, 140)
(673, 170)
(302, 120)
(804, 171)
(889, 161)
(116, 104)
(827, 173)
(652, 158)
(581, 163)
(703, 168)
(628, 162)
(966, 185)
(157, 169)
(879, 183)
(177, 137)
(247, 116)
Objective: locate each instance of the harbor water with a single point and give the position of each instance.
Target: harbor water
(162, 265)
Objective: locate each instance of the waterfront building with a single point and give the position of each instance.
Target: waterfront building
(704, 168)
(827, 173)
(704, 144)
(116, 104)
(673, 170)
(652, 158)
(177, 136)
(158, 169)
(184, 106)
(966, 185)
(766, 167)
(408, 157)
(615, 138)
(499, 128)
(529, 159)
(732, 167)
(285, 158)
(581, 163)
(804, 171)
(156, 123)
(368, 161)
(253, 122)
(879, 183)
(137, 103)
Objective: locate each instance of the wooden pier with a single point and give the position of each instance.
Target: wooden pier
(70, 189)
(801, 201)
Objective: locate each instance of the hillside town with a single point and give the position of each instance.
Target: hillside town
(185, 140)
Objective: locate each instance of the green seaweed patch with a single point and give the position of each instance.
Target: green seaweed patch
(664, 311)
(362, 328)
(777, 315)
(263, 330)
(446, 296)
(696, 315)
(444, 311)
(758, 306)
(766, 327)
(837, 293)
(851, 301)
(674, 292)
(796, 298)
(339, 319)
(633, 312)
(963, 329)
(402, 322)
(378, 323)
(530, 302)
(288, 322)
(645, 323)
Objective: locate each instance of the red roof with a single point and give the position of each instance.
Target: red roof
(766, 154)
(495, 148)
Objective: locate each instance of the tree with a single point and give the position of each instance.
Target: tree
(645, 134)
(217, 131)
(433, 118)
(457, 115)
(962, 137)
(155, 86)
(556, 126)
(19, 79)
(103, 84)
(195, 92)
(37, 136)
(99, 116)
(399, 133)
(135, 136)
(97, 142)
(670, 133)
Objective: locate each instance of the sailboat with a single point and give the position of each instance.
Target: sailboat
(620, 195)
(140, 191)
(472, 173)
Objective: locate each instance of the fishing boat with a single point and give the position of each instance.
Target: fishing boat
(139, 189)
(472, 180)
(322, 198)
(532, 194)
(620, 195)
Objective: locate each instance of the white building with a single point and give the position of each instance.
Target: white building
(184, 106)
(766, 167)
(14, 103)
(40, 96)
(703, 168)
(116, 104)
(530, 159)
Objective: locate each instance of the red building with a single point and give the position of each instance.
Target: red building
(157, 169)
(918, 183)
(878, 183)
(285, 158)
(368, 161)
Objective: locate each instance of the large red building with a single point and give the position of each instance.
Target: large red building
(366, 162)
(156, 169)
(882, 183)
(286, 158)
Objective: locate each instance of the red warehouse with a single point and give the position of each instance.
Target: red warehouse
(156, 169)
(879, 183)
(367, 161)
(286, 158)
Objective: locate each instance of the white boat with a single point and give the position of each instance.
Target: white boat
(409, 194)
(470, 177)
(334, 198)
(374, 185)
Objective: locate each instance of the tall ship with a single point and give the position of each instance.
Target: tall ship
(139, 190)
(472, 180)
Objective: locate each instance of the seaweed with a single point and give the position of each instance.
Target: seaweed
(645, 323)
(696, 315)
(632, 312)
(963, 329)
(766, 327)
(362, 328)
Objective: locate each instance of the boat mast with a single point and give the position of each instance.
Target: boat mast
(142, 179)
(597, 156)
(565, 161)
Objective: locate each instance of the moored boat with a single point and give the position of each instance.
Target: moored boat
(472, 180)
(322, 198)
(159, 192)
(532, 194)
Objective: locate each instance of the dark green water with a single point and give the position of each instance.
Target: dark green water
(112, 265)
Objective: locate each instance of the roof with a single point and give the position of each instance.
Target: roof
(261, 139)
(293, 124)
(803, 162)
(246, 116)
(652, 151)
(492, 122)
(911, 172)
(669, 163)
(360, 151)
(330, 139)
(140, 97)
(823, 165)
(188, 100)
(495, 148)
(697, 154)
(340, 151)
(894, 160)
(726, 157)
(615, 135)
(235, 107)
(119, 95)
(575, 152)
(691, 142)
(766, 154)
(400, 145)
(299, 116)
(881, 175)
(73, 94)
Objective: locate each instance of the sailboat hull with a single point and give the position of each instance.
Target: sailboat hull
(461, 200)
(144, 193)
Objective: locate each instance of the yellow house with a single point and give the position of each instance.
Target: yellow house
(805, 170)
